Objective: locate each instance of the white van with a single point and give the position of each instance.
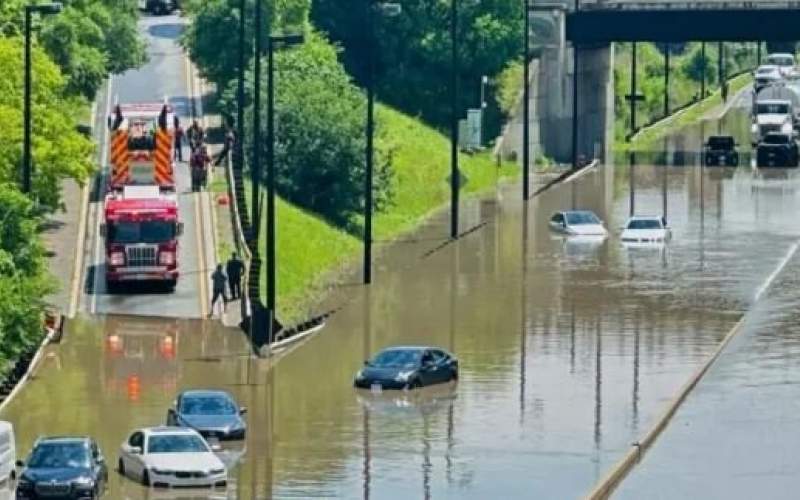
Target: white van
(784, 62)
(8, 452)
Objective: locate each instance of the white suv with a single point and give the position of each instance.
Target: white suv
(171, 456)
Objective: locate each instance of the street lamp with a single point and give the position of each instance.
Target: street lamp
(42, 9)
(239, 151)
(386, 10)
(454, 174)
(274, 41)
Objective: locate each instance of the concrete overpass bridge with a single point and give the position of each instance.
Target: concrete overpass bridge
(569, 84)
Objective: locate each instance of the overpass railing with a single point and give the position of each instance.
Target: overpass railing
(685, 5)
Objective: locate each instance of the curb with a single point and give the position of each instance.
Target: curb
(623, 467)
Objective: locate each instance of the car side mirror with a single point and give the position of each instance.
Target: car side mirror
(179, 229)
(103, 230)
(20, 463)
(100, 459)
(215, 447)
(242, 410)
(135, 450)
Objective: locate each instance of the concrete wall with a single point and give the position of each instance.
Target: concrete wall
(551, 105)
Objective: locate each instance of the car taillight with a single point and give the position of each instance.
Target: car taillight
(166, 258)
(116, 259)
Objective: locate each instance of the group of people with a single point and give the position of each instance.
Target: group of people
(230, 277)
(200, 159)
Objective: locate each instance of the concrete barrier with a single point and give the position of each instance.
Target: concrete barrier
(622, 468)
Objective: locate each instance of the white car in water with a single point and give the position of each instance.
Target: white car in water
(577, 223)
(646, 229)
(171, 456)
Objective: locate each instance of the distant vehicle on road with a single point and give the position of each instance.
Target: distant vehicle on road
(645, 229)
(63, 467)
(159, 6)
(212, 413)
(407, 367)
(777, 150)
(771, 116)
(766, 75)
(720, 150)
(577, 223)
(171, 456)
(784, 62)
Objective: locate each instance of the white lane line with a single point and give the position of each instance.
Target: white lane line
(98, 211)
(764, 286)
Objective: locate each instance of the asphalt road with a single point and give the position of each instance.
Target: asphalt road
(166, 75)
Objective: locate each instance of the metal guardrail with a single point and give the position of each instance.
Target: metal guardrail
(239, 238)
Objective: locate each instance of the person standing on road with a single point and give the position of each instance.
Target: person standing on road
(218, 281)
(725, 91)
(230, 139)
(178, 141)
(234, 268)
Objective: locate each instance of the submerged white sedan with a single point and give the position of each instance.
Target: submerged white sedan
(645, 229)
(171, 456)
(577, 223)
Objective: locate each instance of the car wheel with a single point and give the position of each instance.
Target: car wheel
(146, 479)
(121, 467)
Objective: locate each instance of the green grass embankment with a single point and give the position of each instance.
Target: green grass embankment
(648, 138)
(311, 252)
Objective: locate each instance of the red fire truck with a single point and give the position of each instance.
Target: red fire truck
(141, 232)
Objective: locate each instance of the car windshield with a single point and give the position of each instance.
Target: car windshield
(207, 405)
(720, 142)
(776, 139)
(397, 358)
(644, 224)
(59, 455)
(141, 232)
(579, 218)
(773, 108)
(781, 61)
(765, 71)
(176, 443)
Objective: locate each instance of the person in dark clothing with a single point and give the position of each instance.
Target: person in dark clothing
(196, 135)
(235, 268)
(178, 143)
(218, 281)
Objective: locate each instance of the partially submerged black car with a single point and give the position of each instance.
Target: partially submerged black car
(720, 150)
(63, 467)
(407, 367)
(777, 150)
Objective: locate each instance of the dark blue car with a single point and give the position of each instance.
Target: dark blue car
(63, 467)
(212, 413)
(407, 367)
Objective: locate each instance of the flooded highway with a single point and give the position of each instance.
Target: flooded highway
(569, 348)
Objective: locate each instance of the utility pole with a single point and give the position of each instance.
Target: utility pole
(255, 169)
(455, 181)
(370, 137)
(666, 79)
(526, 139)
(704, 69)
(239, 163)
(575, 99)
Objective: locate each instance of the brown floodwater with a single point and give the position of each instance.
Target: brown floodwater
(568, 348)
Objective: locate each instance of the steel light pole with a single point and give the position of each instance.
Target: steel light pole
(455, 181)
(386, 10)
(255, 169)
(27, 167)
(274, 41)
(239, 151)
(526, 106)
(575, 98)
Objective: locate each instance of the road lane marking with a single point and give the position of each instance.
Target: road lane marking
(98, 211)
(765, 286)
(620, 471)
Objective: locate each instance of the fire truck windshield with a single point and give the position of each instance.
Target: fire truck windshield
(141, 232)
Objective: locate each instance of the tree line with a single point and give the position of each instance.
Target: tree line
(72, 54)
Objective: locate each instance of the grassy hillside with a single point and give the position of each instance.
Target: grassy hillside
(311, 251)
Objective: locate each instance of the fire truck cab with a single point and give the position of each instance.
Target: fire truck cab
(141, 232)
